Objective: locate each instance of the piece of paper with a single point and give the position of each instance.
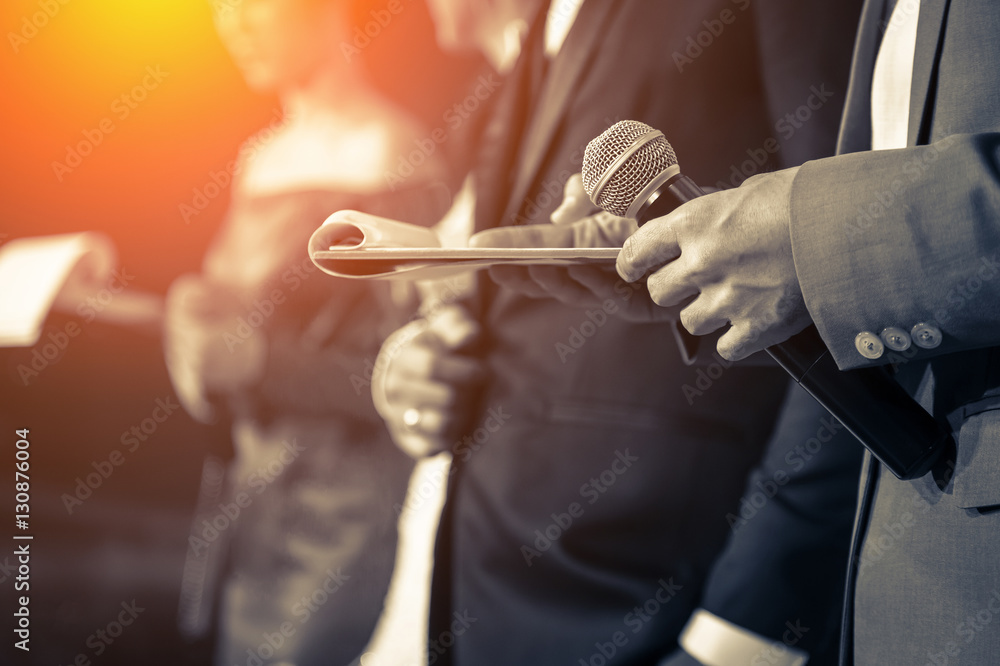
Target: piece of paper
(361, 246)
(34, 270)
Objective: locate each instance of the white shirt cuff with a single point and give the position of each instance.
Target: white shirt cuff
(717, 642)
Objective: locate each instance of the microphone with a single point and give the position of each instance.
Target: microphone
(631, 171)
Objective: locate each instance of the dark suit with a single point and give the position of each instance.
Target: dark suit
(586, 523)
(916, 242)
(782, 573)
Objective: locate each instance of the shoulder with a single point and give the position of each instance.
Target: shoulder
(330, 152)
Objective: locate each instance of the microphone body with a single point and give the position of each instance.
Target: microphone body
(867, 401)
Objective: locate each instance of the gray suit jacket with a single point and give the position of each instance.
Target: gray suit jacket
(904, 237)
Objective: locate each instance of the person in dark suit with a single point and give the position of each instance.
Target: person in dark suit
(589, 490)
(775, 591)
(891, 250)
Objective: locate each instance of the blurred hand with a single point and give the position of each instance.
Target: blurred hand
(727, 258)
(205, 355)
(574, 224)
(424, 386)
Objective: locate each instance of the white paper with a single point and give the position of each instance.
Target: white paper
(34, 270)
(361, 246)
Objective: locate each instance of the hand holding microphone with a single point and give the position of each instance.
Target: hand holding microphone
(728, 257)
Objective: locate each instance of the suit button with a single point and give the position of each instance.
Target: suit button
(896, 339)
(869, 345)
(926, 336)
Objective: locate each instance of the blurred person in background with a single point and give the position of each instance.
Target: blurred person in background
(298, 569)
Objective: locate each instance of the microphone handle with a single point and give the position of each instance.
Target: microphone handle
(867, 401)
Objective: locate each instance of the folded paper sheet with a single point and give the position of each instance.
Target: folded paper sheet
(38, 275)
(361, 246)
(34, 270)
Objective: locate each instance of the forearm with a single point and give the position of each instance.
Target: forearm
(899, 238)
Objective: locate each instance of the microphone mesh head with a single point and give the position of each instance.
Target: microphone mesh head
(631, 176)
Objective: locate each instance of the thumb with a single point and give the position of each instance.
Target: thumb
(453, 327)
(602, 230)
(575, 204)
(531, 235)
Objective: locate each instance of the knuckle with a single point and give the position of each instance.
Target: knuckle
(695, 260)
(691, 320)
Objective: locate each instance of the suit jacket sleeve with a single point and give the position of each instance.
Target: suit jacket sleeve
(785, 562)
(898, 238)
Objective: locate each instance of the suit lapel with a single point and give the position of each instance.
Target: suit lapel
(856, 124)
(929, 38)
(574, 58)
(498, 158)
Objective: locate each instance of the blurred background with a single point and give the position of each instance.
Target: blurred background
(155, 72)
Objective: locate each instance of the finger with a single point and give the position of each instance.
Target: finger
(669, 285)
(417, 445)
(457, 370)
(601, 282)
(652, 246)
(704, 315)
(739, 342)
(425, 364)
(558, 284)
(404, 393)
(528, 235)
(433, 422)
(453, 326)
(575, 204)
(603, 230)
(517, 279)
